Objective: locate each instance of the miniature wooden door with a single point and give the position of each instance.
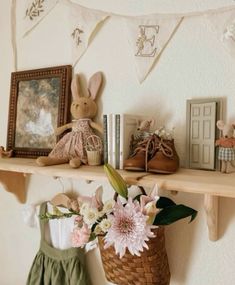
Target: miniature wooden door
(202, 135)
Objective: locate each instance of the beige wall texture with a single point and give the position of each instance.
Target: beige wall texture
(194, 65)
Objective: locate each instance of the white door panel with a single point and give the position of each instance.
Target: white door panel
(202, 135)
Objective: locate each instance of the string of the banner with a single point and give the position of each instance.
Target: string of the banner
(184, 15)
(13, 33)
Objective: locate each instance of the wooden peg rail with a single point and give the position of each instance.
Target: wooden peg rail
(211, 184)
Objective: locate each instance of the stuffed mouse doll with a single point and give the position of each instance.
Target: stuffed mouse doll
(226, 145)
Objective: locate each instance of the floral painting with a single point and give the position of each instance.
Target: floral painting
(37, 113)
(39, 104)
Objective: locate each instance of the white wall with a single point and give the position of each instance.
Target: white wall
(194, 65)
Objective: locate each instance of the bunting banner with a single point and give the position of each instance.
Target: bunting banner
(83, 24)
(223, 25)
(148, 36)
(13, 33)
(35, 11)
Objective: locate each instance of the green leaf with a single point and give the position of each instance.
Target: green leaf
(174, 213)
(92, 236)
(164, 202)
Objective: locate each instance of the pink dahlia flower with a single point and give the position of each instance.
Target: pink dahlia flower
(129, 229)
(80, 236)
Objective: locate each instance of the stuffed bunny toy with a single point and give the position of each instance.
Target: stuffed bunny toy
(71, 148)
(226, 145)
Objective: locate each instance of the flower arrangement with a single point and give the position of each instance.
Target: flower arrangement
(126, 223)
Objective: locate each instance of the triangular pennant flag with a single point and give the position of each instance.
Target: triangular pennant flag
(83, 23)
(35, 11)
(223, 25)
(148, 36)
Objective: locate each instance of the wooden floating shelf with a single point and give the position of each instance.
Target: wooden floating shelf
(212, 184)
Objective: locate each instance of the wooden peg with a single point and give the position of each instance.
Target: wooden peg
(211, 204)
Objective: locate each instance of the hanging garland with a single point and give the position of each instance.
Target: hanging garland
(148, 35)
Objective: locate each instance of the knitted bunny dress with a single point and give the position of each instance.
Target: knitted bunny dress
(73, 144)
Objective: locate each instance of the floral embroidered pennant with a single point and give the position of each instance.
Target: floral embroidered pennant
(146, 41)
(148, 36)
(35, 11)
(223, 25)
(83, 23)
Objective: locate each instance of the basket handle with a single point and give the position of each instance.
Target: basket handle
(141, 190)
(93, 142)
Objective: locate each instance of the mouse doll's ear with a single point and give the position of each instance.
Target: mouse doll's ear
(152, 123)
(75, 88)
(94, 84)
(220, 125)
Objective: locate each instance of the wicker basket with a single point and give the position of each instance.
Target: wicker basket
(151, 268)
(94, 157)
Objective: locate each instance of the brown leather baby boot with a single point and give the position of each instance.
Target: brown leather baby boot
(166, 159)
(138, 159)
(136, 162)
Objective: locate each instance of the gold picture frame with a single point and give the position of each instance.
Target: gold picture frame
(39, 103)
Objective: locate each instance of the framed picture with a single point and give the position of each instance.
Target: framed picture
(39, 103)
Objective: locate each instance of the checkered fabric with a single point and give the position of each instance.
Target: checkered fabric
(226, 153)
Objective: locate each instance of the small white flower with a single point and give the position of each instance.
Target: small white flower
(157, 132)
(98, 230)
(230, 32)
(101, 213)
(108, 206)
(105, 224)
(90, 216)
(84, 208)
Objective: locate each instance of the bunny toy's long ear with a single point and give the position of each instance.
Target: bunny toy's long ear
(75, 88)
(94, 84)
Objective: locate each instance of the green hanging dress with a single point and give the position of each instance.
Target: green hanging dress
(53, 266)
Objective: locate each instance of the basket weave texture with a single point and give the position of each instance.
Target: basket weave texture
(151, 268)
(94, 157)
